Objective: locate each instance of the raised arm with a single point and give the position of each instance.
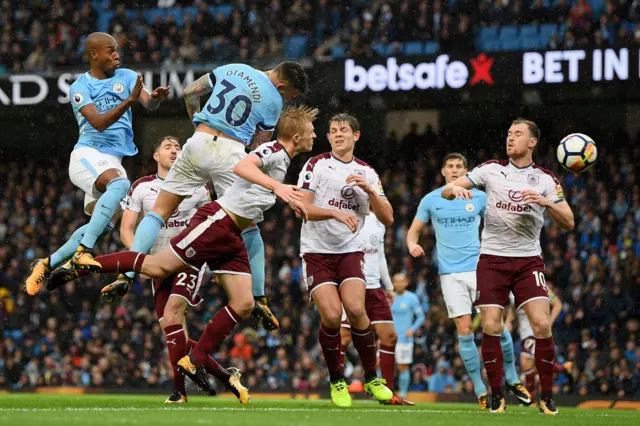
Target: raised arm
(102, 122)
(194, 90)
(152, 100)
(460, 188)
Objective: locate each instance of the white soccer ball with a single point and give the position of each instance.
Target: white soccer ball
(577, 152)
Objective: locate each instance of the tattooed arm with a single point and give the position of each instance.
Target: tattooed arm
(200, 87)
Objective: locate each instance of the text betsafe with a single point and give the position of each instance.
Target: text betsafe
(393, 76)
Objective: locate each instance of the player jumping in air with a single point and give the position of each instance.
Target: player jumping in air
(408, 317)
(174, 294)
(518, 193)
(101, 100)
(377, 301)
(338, 189)
(457, 225)
(213, 239)
(243, 108)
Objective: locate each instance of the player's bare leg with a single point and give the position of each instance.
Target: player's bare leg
(492, 327)
(240, 306)
(352, 294)
(146, 235)
(539, 313)
(327, 300)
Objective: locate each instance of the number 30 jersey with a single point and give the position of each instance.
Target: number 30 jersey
(242, 100)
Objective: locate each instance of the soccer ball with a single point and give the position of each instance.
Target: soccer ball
(577, 152)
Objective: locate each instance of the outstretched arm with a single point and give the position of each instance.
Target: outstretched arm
(152, 100)
(193, 91)
(460, 188)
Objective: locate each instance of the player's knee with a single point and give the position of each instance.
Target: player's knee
(174, 311)
(332, 318)
(355, 313)
(491, 326)
(120, 185)
(243, 306)
(463, 327)
(389, 338)
(541, 327)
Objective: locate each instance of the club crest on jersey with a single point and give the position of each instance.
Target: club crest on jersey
(118, 88)
(373, 240)
(190, 252)
(469, 207)
(77, 98)
(533, 180)
(359, 172)
(103, 162)
(307, 177)
(347, 192)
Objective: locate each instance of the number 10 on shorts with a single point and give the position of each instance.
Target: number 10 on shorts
(541, 281)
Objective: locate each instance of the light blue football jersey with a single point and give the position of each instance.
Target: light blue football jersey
(457, 226)
(105, 94)
(407, 314)
(242, 100)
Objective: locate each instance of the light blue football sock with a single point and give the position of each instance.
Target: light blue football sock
(105, 207)
(67, 250)
(471, 359)
(255, 249)
(510, 374)
(404, 379)
(146, 235)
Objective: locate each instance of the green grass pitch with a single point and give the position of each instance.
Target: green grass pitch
(96, 410)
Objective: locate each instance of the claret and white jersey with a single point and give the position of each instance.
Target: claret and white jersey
(326, 176)
(511, 227)
(250, 200)
(375, 262)
(142, 196)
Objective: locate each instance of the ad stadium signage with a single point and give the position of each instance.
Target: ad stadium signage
(33, 89)
(486, 70)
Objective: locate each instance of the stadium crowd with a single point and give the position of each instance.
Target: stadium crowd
(39, 35)
(67, 338)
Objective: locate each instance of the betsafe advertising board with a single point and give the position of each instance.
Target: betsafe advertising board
(482, 71)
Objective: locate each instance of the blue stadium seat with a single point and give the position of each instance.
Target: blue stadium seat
(508, 44)
(431, 47)
(379, 49)
(104, 19)
(295, 46)
(489, 45)
(534, 43)
(412, 48)
(529, 31)
(508, 33)
(338, 51)
(546, 30)
(488, 33)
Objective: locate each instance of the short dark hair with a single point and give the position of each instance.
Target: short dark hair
(293, 74)
(534, 130)
(346, 118)
(455, 156)
(157, 145)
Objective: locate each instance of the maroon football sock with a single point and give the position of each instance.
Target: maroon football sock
(493, 360)
(121, 262)
(218, 328)
(177, 345)
(212, 366)
(545, 362)
(388, 364)
(329, 339)
(365, 343)
(530, 382)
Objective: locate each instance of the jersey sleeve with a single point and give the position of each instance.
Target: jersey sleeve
(376, 183)
(270, 117)
(553, 189)
(307, 180)
(266, 154)
(478, 176)
(80, 95)
(423, 210)
(134, 200)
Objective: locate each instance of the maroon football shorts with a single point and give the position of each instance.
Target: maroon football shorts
(320, 269)
(499, 275)
(212, 238)
(376, 306)
(185, 284)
